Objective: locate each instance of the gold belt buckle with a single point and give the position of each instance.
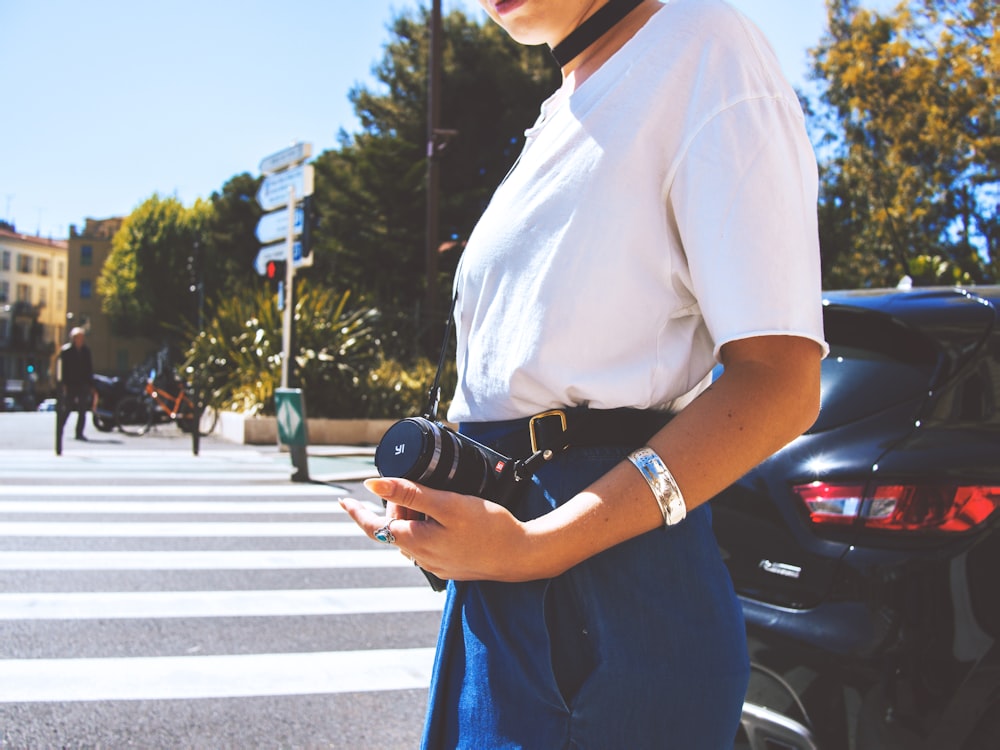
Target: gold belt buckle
(544, 415)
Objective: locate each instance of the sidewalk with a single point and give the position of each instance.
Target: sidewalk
(34, 432)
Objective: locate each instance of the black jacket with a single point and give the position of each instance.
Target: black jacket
(77, 367)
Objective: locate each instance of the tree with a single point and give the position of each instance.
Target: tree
(909, 143)
(145, 284)
(230, 236)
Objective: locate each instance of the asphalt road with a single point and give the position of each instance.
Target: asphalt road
(152, 598)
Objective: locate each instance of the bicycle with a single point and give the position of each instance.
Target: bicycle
(135, 414)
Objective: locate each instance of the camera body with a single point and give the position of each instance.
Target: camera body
(431, 454)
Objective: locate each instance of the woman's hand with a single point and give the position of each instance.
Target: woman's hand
(454, 536)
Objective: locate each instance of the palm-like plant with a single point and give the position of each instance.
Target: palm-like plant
(338, 362)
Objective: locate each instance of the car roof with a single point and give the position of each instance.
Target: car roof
(892, 300)
(958, 319)
(926, 308)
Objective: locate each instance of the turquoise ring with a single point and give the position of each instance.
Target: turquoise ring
(385, 534)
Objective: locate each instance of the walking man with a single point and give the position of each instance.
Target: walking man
(76, 381)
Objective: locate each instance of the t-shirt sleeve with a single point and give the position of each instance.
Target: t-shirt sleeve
(744, 202)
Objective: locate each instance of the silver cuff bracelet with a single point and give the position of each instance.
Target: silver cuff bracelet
(662, 483)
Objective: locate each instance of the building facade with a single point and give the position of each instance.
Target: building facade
(87, 251)
(33, 278)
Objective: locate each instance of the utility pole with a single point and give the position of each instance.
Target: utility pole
(437, 139)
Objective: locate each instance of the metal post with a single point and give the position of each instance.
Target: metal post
(61, 415)
(60, 407)
(286, 318)
(433, 172)
(199, 409)
(199, 259)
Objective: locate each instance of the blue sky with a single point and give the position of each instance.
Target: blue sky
(109, 101)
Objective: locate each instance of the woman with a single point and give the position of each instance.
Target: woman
(661, 218)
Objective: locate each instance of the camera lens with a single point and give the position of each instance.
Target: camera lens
(411, 448)
(432, 455)
(471, 469)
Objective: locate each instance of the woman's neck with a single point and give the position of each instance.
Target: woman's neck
(588, 61)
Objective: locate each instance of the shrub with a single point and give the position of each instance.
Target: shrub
(339, 362)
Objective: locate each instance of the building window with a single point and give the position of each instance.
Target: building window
(43, 297)
(60, 270)
(24, 293)
(85, 289)
(43, 266)
(60, 299)
(4, 291)
(25, 263)
(86, 255)
(5, 261)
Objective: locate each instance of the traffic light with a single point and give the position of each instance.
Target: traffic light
(275, 272)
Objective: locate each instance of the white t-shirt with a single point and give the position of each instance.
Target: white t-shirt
(665, 207)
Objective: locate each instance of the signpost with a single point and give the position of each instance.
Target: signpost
(276, 188)
(273, 227)
(279, 251)
(288, 179)
(297, 152)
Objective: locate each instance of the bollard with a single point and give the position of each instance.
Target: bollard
(290, 407)
(199, 409)
(61, 416)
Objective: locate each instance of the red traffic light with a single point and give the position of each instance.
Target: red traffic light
(275, 270)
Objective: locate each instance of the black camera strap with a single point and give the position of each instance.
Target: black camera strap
(434, 394)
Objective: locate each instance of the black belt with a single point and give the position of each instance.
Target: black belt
(557, 429)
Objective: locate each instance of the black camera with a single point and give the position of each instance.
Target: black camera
(431, 454)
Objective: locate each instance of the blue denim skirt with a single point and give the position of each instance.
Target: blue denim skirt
(640, 646)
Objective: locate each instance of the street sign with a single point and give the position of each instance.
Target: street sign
(290, 408)
(286, 157)
(274, 226)
(273, 191)
(279, 251)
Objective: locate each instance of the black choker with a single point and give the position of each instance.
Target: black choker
(592, 29)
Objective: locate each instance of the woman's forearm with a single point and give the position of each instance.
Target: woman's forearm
(767, 396)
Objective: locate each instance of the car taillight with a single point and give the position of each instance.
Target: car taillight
(900, 507)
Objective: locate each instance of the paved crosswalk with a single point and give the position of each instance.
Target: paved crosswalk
(93, 548)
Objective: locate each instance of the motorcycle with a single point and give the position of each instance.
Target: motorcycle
(110, 390)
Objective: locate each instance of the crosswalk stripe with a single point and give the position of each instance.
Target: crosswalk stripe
(203, 560)
(157, 507)
(175, 529)
(118, 605)
(221, 676)
(170, 490)
(111, 455)
(175, 477)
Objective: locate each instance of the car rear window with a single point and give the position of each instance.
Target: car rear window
(875, 362)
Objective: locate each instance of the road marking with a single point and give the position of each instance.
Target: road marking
(226, 676)
(119, 605)
(174, 478)
(170, 490)
(203, 560)
(171, 507)
(177, 529)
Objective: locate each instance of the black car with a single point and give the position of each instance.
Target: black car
(866, 553)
